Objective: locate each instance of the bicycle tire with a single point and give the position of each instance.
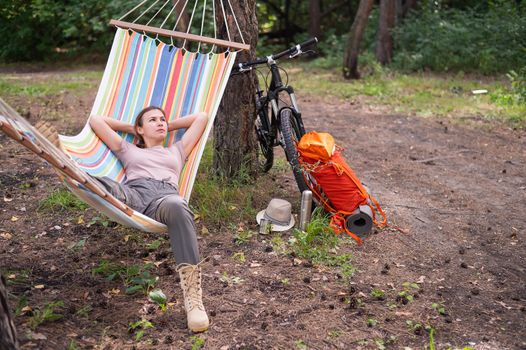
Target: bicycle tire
(291, 135)
(265, 154)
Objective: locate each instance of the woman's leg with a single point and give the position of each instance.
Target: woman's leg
(173, 211)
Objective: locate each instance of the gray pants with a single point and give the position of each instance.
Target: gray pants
(161, 201)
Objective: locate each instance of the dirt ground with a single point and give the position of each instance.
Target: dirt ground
(456, 187)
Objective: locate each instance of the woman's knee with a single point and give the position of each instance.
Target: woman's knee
(173, 208)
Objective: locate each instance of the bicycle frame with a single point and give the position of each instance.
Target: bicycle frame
(272, 98)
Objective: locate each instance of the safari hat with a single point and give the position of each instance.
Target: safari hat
(279, 213)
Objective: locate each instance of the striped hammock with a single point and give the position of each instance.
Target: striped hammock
(140, 72)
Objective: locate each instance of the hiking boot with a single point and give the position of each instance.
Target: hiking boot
(191, 284)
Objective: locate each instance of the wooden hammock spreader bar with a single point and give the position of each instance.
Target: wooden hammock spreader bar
(180, 35)
(63, 168)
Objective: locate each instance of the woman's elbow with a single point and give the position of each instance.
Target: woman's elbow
(202, 117)
(94, 120)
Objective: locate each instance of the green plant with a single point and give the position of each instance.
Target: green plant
(239, 257)
(371, 322)
(84, 311)
(285, 281)
(72, 345)
(431, 331)
(518, 84)
(243, 237)
(219, 200)
(462, 40)
(319, 244)
(62, 200)
(407, 294)
(230, 280)
(100, 220)
(197, 342)
(300, 344)
(378, 294)
(134, 277)
(158, 297)
(439, 307)
(414, 327)
(77, 246)
(45, 314)
(155, 244)
(139, 327)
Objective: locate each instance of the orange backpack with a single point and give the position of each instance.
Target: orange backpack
(336, 185)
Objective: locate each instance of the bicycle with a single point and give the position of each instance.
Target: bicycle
(285, 125)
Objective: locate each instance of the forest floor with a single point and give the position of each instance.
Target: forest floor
(455, 278)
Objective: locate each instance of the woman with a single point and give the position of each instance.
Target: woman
(151, 188)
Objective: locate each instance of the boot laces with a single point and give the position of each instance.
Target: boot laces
(192, 286)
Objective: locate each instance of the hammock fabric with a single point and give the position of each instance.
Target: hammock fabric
(140, 72)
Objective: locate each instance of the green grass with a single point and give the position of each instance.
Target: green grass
(62, 200)
(45, 314)
(219, 201)
(42, 84)
(319, 245)
(422, 94)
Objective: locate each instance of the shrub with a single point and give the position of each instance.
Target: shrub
(454, 40)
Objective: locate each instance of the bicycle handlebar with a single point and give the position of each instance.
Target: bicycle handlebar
(292, 52)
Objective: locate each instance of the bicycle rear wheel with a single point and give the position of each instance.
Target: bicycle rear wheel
(291, 132)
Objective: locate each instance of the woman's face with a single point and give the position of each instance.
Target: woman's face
(154, 126)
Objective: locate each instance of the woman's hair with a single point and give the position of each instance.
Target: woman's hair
(138, 122)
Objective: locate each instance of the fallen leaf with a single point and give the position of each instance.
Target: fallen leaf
(255, 264)
(115, 291)
(35, 336)
(26, 309)
(14, 218)
(204, 231)
(421, 279)
(6, 235)
(80, 220)
(39, 286)
(127, 238)
(11, 277)
(8, 198)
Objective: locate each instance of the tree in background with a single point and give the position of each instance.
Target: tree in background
(234, 138)
(350, 61)
(315, 19)
(386, 22)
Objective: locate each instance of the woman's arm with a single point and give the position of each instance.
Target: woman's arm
(105, 128)
(184, 122)
(196, 124)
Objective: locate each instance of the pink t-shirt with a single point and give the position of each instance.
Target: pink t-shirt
(160, 163)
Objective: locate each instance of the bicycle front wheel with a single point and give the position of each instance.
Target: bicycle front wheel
(291, 132)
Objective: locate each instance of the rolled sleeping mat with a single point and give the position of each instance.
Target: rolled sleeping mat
(360, 221)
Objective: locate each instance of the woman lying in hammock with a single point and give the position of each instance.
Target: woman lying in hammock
(151, 188)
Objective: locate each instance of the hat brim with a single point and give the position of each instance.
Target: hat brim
(276, 227)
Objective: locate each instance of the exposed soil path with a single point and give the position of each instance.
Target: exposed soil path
(459, 191)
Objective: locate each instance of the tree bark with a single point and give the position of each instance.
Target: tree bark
(8, 339)
(386, 22)
(234, 137)
(350, 61)
(182, 25)
(315, 19)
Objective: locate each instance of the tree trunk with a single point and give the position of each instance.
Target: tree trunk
(234, 137)
(386, 22)
(7, 328)
(350, 62)
(315, 19)
(184, 20)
